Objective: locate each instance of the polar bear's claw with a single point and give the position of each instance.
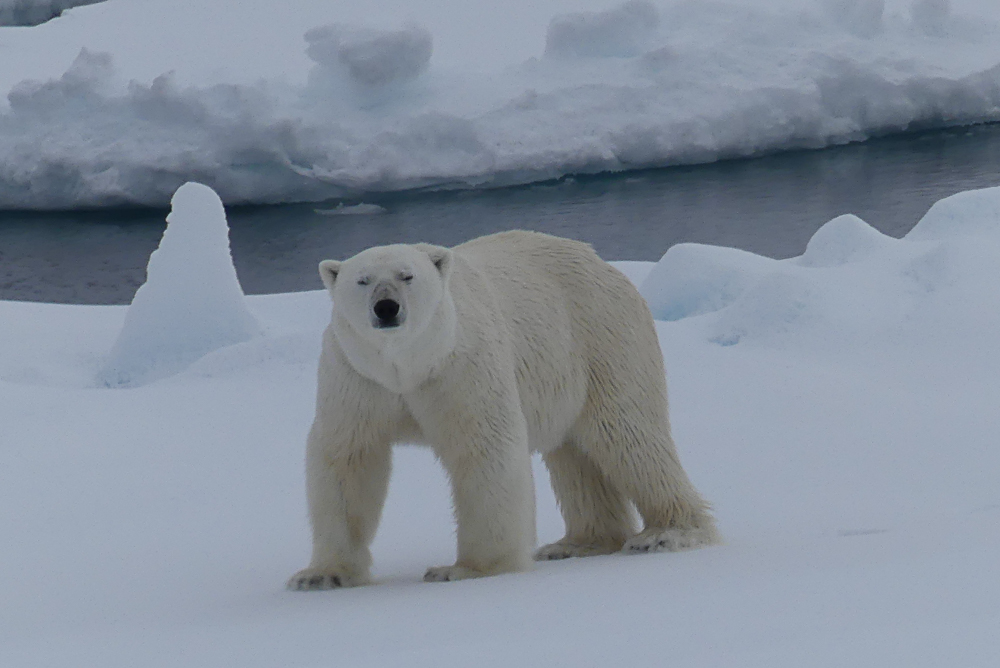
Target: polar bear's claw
(314, 580)
(566, 550)
(450, 574)
(669, 540)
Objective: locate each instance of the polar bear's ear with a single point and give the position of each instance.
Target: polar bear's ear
(328, 270)
(440, 256)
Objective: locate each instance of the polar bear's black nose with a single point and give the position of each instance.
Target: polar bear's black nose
(386, 310)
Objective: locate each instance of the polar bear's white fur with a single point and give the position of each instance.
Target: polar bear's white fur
(507, 344)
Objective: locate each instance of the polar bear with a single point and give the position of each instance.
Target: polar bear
(509, 344)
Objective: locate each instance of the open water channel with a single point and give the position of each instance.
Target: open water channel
(769, 205)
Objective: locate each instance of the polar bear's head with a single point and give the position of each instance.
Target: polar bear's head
(391, 289)
(392, 310)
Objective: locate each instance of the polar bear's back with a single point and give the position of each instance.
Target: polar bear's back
(565, 277)
(575, 322)
(528, 267)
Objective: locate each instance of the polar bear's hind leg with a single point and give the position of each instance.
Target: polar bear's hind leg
(632, 447)
(597, 515)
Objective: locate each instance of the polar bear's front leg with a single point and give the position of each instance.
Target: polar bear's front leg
(346, 494)
(493, 494)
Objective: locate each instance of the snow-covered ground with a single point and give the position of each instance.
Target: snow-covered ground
(839, 409)
(122, 101)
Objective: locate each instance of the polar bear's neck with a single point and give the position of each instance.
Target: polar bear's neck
(400, 361)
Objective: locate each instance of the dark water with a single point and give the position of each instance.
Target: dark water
(769, 205)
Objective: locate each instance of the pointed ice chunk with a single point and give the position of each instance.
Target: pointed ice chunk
(191, 302)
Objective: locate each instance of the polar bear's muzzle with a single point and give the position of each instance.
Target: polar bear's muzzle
(386, 310)
(386, 313)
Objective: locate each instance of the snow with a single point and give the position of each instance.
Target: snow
(931, 16)
(848, 268)
(191, 302)
(33, 12)
(626, 30)
(839, 409)
(975, 212)
(123, 101)
(861, 17)
(370, 57)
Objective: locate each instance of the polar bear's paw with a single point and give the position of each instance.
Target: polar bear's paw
(319, 579)
(450, 574)
(565, 549)
(669, 540)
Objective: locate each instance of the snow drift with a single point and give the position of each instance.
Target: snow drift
(357, 105)
(853, 285)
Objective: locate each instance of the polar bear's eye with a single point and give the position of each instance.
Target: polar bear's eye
(364, 281)
(406, 278)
